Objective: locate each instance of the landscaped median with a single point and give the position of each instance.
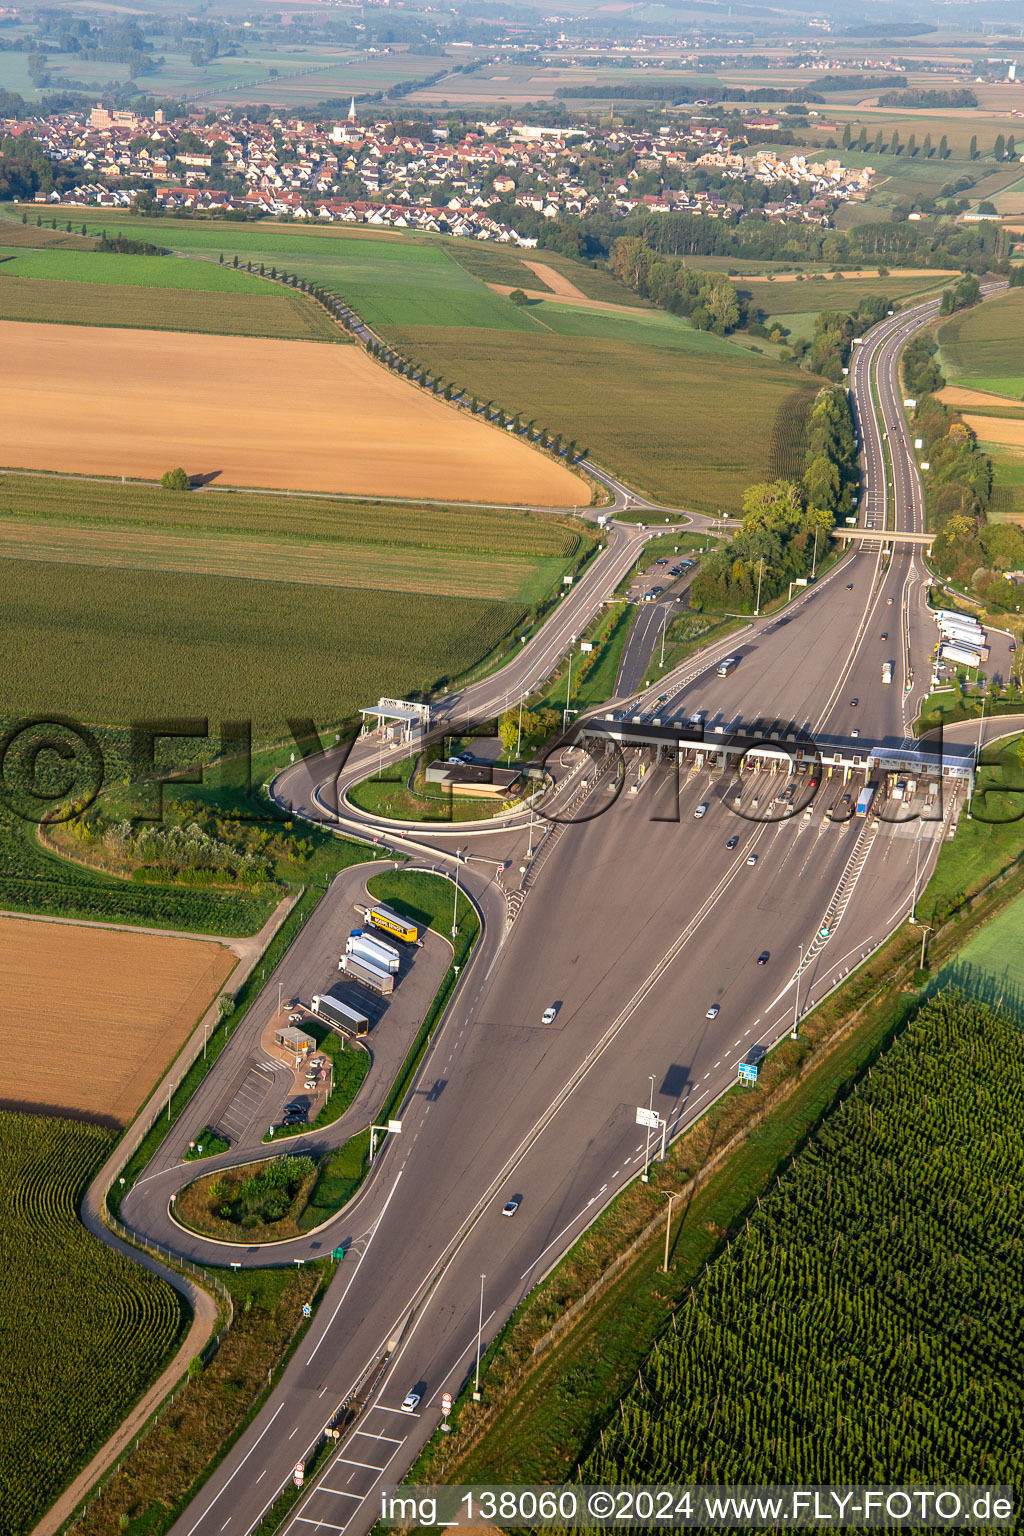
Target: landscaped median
(557, 1368)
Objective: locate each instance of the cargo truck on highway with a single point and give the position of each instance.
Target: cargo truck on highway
(961, 655)
(864, 799)
(348, 1021)
(381, 982)
(390, 922)
(384, 956)
(726, 665)
(886, 671)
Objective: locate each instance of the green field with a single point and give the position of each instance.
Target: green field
(462, 530)
(1006, 503)
(817, 293)
(115, 646)
(648, 327)
(990, 967)
(983, 347)
(689, 426)
(71, 266)
(303, 562)
(987, 843)
(864, 1327)
(85, 1330)
(273, 312)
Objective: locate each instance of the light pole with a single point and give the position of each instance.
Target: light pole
(814, 562)
(646, 1178)
(455, 910)
(568, 691)
(760, 574)
(668, 1226)
(925, 931)
(479, 1337)
(917, 866)
(664, 626)
(796, 1000)
(519, 738)
(280, 995)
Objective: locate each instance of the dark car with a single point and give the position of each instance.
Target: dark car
(294, 1120)
(849, 586)
(764, 957)
(885, 634)
(732, 842)
(296, 1107)
(854, 703)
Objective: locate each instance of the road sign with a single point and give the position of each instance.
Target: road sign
(298, 1476)
(338, 1253)
(748, 1072)
(307, 1310)
(446, 1408)
(649, 1118)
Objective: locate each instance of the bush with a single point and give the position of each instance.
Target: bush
(175, 480)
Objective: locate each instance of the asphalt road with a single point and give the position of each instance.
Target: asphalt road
(632, 927)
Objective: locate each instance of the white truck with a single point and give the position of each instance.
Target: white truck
(384, 956)
(370, 976)
(886, 671)
(963, 655)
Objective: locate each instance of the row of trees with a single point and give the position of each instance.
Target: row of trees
(961, 296)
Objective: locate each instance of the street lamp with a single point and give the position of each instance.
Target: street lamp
(392, 1128)
(455, 910)
(646, 1178)
(760, 574)
(477, 1394)
(796, 1000)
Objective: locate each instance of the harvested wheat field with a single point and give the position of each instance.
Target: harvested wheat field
(92, 1016)
(1004, 431)
(957, 395)
(556, 281)
(283, 415)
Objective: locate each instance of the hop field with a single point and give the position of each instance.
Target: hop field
(85, 1330)
(866, 1327)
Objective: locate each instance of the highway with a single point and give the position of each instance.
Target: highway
(632, 924)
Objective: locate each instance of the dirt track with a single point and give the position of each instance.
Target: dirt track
(269, 414)
(556, 281)
(117, 1007)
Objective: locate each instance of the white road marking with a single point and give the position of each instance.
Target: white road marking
(235, 1473)
(355, 1272)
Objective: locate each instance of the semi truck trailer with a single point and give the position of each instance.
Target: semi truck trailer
(390, 922)
(348, 1021)
(363, 947)
(381, 982)
(962, 655)
(864, 799)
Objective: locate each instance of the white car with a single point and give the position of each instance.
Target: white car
(701, 810)
(511, 1206)
(549, 1015)
(713, 1011)
(411, 1402)
(752, 859)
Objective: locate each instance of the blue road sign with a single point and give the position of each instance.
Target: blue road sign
(307, 1310)
(748, 1072)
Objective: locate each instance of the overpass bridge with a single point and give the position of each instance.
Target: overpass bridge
(883, 536)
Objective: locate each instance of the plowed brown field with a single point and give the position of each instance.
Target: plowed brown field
(274, 414)
(92, 1016)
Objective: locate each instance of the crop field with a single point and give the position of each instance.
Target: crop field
(28, 236)
(883, 1340)
(690, 427)
(822, 292)
(990, 966)
(283, 560)
(65, 1388)
(1007, 500)
(254, 413)
(114, 646)
(272, 312)
(77, 266)
(463, 530)
(98, 1048)
(646, 327)
(371, 267)
(984, 346)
